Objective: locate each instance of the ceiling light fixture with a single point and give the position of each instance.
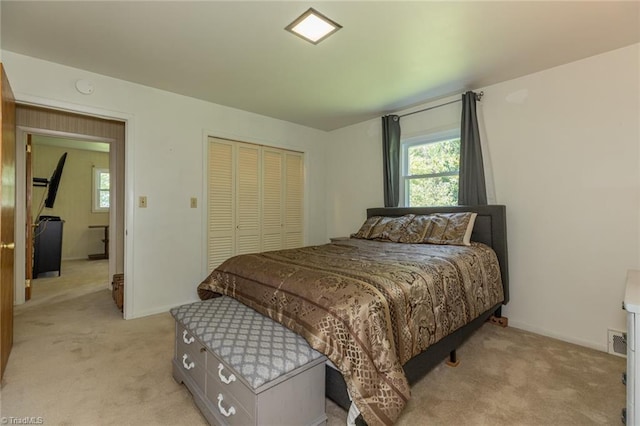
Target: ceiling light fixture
(313, 26)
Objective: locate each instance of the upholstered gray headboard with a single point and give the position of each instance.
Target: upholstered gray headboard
(490, 228)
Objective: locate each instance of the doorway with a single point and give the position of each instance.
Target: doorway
(62, 131)
(69, 212)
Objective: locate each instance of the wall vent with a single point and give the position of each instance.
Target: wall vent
(618, 343)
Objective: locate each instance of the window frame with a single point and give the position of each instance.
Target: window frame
(95, 205)
(424, 139)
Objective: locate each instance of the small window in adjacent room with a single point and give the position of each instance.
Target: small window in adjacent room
(100, 190)
(430, 169)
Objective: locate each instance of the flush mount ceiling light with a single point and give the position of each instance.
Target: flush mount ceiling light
(313, 26)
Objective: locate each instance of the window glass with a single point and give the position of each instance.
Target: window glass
(101, 199)
(431, 170)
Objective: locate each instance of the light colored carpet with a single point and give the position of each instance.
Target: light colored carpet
(77, 277)
(76, 362)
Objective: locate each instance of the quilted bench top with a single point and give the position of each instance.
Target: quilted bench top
(256, 347)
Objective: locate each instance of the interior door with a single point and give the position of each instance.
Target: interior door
(7, 212)
(28, 275)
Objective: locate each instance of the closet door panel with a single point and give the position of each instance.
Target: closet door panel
(272, 199)
(294, 200)
(221, 203)
(248, 199)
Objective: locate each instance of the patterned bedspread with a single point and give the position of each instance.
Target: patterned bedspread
(369, 306)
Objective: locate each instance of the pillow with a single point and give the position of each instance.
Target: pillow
(447, 228)
(437, 228)
(416, 230)
(366, 227)
(384, 228)
(391, 229)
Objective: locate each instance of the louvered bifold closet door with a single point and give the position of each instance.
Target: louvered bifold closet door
(272, 196)
(248, 198)
(294, 200)
(255, 199)
(221, 203)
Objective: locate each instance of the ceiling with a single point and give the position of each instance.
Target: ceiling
(389, 55)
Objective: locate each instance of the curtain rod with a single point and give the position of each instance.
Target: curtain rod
(478, 98)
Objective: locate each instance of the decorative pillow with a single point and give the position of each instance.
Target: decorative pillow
(416, 230)
(437, 228)
(393, 229)
(384, 228)
(378, 229)
(448, 228)
(366, 227)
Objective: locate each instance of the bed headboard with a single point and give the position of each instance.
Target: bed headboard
(490, 228)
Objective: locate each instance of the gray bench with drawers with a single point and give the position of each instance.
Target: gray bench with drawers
(243, 368)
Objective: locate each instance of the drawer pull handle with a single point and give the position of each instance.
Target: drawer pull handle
(188, 341)
(226, 413)
(188, 366)
(225, 380)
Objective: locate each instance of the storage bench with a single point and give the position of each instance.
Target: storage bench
(243, 368)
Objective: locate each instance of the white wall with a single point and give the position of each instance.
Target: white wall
(565, 163)
(0, 31)
(165, 152)
(354, 164)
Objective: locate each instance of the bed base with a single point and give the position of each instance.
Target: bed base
(453, 360)
(418, 366)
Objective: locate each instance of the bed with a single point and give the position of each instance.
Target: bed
(376, 309)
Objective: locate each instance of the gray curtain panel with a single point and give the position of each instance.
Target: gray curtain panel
(391, 159)
(472, 190)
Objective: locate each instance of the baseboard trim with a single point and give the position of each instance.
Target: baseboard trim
(543, 332)
(159, 309)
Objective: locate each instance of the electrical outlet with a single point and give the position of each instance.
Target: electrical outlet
(142, 201)
(194, 202)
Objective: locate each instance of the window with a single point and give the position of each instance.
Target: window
(100, 190)
(430, 169)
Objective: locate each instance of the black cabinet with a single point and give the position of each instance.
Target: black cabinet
(47, 245)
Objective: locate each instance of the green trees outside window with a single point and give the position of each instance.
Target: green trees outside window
(431, 173)
(100, 190)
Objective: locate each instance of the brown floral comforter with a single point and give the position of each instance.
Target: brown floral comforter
(369, 306)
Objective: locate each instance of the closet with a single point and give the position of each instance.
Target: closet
(255, 199)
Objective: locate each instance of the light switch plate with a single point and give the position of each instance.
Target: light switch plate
(194, 202)
(142, 201)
